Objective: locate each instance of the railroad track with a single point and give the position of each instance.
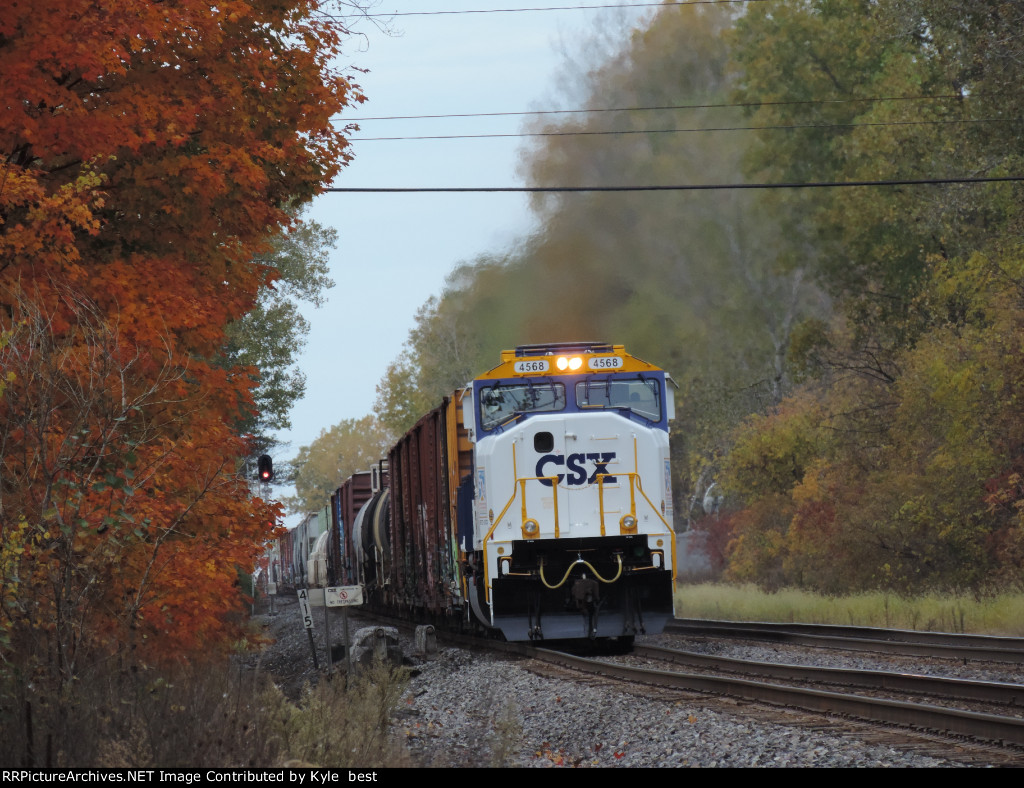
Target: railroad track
(994, 694)
(1004, 732)
(1001, 726)
(936, 715)
(965, 647)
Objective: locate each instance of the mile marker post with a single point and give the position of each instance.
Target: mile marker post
(307, 622)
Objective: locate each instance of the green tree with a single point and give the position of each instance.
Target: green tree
(350, 445)
(400, 400)
(876, 91)
(272, 334)
(443, 352)
(915, 486)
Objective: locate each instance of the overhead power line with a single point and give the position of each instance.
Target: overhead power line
(672, 188)
(368, 15)
(787, 127)
(724, 105)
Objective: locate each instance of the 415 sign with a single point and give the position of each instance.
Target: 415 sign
(307, 614)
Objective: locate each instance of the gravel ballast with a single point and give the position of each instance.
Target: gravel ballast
(465, 708)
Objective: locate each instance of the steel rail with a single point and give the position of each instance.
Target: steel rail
(889, 641)
(946, 687)
(1009, 730)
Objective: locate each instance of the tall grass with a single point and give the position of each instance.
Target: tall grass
(997, 615)
(334, 725)
(214, 716)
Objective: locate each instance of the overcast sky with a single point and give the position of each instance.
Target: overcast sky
(394, 251)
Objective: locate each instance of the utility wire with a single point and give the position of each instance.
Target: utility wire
(674, 188)
(740, 105)
(790, 127)
(367, 15)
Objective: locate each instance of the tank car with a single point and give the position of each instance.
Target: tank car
(535, 503)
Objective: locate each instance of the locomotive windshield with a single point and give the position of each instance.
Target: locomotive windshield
(500, 402)
(639, 395)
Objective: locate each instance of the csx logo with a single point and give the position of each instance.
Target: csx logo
(575, 464)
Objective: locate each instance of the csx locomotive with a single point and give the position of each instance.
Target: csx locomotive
(536, 503)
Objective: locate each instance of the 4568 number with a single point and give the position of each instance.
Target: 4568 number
(605, 362)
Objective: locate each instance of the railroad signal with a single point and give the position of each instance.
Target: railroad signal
(265, 468)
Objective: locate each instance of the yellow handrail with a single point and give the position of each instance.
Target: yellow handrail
(518, 482)
(519, 487)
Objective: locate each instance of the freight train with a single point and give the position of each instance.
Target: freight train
(535, 503)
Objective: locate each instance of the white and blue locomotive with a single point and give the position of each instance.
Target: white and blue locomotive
(535, 503)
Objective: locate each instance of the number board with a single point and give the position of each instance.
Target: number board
(605, 362)
(531, 366)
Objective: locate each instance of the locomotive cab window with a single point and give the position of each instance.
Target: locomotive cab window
(642, 397)
(502, 401)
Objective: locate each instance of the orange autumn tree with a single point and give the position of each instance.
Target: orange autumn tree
(150, 150)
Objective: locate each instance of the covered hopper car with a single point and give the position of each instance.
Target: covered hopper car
(535, 503)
